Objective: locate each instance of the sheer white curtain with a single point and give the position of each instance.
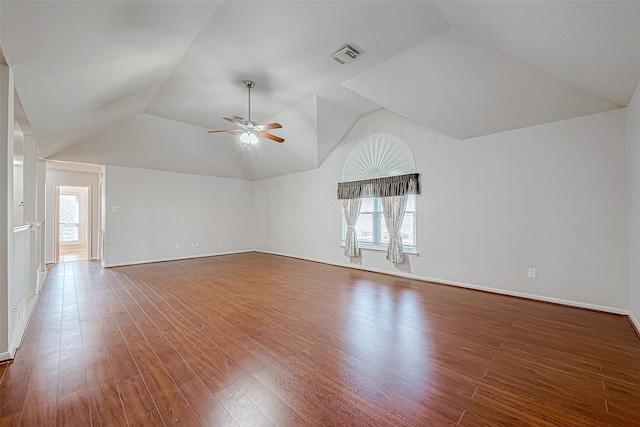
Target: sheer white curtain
(393, 208)
(351, 209)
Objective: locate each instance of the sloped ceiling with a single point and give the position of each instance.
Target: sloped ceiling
(466, 88)
(139, 83)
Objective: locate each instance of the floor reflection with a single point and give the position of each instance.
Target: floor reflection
(387, 333)
(73, 256)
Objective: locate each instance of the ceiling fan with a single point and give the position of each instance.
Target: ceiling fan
(250, 129)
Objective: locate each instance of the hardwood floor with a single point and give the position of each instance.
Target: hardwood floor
(74, 256)
(256, 339)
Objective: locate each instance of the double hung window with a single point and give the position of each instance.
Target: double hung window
(372, 230)
(69, 218)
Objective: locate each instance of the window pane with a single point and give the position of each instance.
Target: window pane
(407, 232)
(69, 218)
(371, 227)
(69, 233)
(364, 228)
(69, 208)
(367, 205)
(411, 203)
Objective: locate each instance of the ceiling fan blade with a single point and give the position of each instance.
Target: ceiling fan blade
(270, 126)
(234, 121)
(226, 130)
(272, 137)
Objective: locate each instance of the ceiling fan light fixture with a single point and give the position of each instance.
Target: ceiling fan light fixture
(245, 138)
(249, 138)
(250, 129)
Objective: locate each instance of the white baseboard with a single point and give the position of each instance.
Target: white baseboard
(21, 328)
(124, 264)
(635, 323)
(5, 356)
(42, 276)
(570, 303)
(12, 350)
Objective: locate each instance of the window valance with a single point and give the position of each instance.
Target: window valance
(399, 185)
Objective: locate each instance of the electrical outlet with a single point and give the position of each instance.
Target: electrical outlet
(177, 245)
(220, 243)
(195, 245)
(269, 241)
(115, 208)
(532, 273)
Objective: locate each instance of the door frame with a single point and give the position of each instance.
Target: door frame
(88, 222)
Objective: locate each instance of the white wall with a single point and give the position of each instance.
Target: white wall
(6, 211)
(18, 195)
(158, 210)
(552, 196)
(18, 175)
(78, 179)
(633, 123)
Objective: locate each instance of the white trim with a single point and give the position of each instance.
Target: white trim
(21, 228)
(570, 303)
(21, 328)
(407, 250)
(42, 276)
(5, 357)
(12, 350)
(123, 264)
(634, 322)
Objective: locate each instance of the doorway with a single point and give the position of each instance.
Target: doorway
(73, 223)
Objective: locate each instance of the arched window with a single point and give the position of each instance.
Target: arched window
(366, 175)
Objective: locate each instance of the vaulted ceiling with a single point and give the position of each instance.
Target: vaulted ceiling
(139, 83)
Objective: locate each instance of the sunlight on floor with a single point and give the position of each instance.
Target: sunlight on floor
(73, 256)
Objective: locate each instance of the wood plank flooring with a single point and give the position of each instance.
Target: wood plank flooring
(260, 340)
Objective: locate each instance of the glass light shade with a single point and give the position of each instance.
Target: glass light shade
(246, 138)
(253, 139)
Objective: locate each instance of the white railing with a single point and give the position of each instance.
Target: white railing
(21, 287)
(38, 262)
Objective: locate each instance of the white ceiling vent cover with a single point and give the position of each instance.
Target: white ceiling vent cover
(346, 54)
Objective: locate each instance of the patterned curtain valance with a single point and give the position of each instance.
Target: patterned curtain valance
(399, 185)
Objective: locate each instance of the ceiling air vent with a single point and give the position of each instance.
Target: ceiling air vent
(346, 54)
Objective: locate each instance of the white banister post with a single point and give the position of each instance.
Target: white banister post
(29, 179)
(6, 205)
(40, 214)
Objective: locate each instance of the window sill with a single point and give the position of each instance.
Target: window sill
(370, 247)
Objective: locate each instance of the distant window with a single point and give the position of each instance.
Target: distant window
(372, 230)
(69, 218)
